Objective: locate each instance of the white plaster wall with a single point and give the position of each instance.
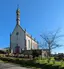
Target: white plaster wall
(28, 38)
(33, 43)
(21, 38)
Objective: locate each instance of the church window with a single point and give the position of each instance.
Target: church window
(33, 46)
(17, 33)
(28, 43)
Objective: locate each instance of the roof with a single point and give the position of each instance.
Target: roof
(44, 49)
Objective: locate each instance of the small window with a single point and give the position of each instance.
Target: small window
(17, 33)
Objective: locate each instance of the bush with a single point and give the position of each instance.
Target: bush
(35, 53)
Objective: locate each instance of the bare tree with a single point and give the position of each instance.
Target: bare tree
(50, 40)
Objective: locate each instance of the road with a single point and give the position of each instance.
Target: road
(10, 66)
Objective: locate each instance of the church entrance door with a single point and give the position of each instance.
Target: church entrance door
(17, 49)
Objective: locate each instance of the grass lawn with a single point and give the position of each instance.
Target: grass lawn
(37, 63)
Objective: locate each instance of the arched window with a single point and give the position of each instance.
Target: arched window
(28, 43)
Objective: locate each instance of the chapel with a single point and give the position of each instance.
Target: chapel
(20, 39)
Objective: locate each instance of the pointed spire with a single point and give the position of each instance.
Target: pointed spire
(18, 15)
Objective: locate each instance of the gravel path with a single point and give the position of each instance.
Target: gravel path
(10, 66)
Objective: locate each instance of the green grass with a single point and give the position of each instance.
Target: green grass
(37, 63)
(51, 62)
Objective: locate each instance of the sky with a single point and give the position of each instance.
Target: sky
(37, 16)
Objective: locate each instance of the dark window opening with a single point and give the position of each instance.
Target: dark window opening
(17, 33)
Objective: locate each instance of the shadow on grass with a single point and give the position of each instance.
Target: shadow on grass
(31, 63)
(37, 65)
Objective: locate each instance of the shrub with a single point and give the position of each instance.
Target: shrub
(35, 53)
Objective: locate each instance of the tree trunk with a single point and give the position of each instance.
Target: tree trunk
(49, 51)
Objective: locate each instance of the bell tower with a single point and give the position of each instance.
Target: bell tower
(18, 16)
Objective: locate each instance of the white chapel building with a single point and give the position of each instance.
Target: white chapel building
(20, 39)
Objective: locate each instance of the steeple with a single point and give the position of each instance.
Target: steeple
(18, 16)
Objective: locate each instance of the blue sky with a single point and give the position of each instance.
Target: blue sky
(37, 16)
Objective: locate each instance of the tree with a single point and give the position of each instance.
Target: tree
(50, 40)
